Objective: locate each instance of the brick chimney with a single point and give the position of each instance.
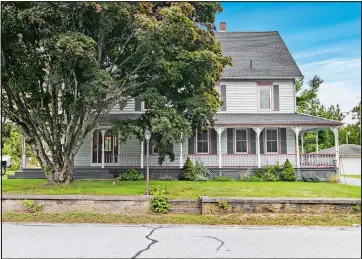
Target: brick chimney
(222, 26)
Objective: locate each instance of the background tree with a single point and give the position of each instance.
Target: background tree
(356, 113)
(66, 64)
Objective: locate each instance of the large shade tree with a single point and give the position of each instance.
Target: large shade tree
(66, 64)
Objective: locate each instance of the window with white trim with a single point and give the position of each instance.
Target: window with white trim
(272, 141)
(265, 97)
(241, 141)
(202, 141)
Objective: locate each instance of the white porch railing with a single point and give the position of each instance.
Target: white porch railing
(317, 160)
(273, 159)
(239, 160)
(208, 160)
(227, 160)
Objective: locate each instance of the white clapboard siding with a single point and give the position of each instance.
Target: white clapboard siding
(286, 96)
(84, 155)
(131, 147)
(290, 141)
(241, 96)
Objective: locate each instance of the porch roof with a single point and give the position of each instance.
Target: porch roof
(292, 119)
(277, 119)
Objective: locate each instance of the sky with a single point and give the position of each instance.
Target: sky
(323, 37)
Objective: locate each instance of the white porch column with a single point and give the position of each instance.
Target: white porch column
(258, 130)
(219, 131)
(181, 153)
(103, 132)
(297, 131)
(23, 154)
(302, 140)
(336, 145)
(142, 151)
(316, 141)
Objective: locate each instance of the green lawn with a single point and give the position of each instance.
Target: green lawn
(184, 190)
(352, 176)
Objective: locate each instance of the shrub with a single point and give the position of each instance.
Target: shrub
(311, 179)
(288, 173)
(244, 175)
(333, 179)
(269, 173)
(223, 205)
(131, 175)
(159, 190)
(356, 208)
(188, 172)
(223, 179)
(254, 179)
(160, 204)
(32, 207)
(202, 172)
(201, 178)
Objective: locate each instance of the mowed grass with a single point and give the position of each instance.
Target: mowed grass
(187, 190)
(231, 219)
(352, 176)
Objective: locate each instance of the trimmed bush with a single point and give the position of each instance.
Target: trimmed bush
(201, 178)
(188, 172)
(223, 179)
(269, 174)
(288, 173)
(160, 204)
(131, 175)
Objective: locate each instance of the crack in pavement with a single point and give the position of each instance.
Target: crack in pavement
(222, 242)
(154, 241)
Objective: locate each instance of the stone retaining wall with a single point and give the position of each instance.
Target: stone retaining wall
(204, 205)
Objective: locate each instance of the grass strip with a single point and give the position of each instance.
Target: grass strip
(231, 219)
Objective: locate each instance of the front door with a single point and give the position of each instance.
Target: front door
(110, 148)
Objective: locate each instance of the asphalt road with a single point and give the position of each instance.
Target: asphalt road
(124, 241)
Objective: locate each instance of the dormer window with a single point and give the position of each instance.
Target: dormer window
(265, 97)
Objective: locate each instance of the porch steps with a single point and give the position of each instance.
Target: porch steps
(184, 206)
(79, 173)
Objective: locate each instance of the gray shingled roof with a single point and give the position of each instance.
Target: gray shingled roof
(345, 149)
(272, 119)
(252, 119)
(268, 52)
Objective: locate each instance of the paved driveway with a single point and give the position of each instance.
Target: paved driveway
(121, 241)
(350, 181)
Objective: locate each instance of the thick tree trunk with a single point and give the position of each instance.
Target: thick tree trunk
(61, 175)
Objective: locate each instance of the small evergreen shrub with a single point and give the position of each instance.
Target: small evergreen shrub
(311, 179)
(32, 207)
(223, 179)
(131, 175)
(269, 173)
(188, 172)
(288, 173)
(160, 204)
(159, 190)
(202, 172)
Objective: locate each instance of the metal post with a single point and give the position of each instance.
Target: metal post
(142, 146)
(23, 154)
(148, 169)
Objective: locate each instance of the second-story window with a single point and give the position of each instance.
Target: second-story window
(265, 97)
(223, 97)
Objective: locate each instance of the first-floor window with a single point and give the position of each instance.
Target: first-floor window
(241, 141)
(110, 147)
(202, 139)
(271, 140)
(97, 147)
